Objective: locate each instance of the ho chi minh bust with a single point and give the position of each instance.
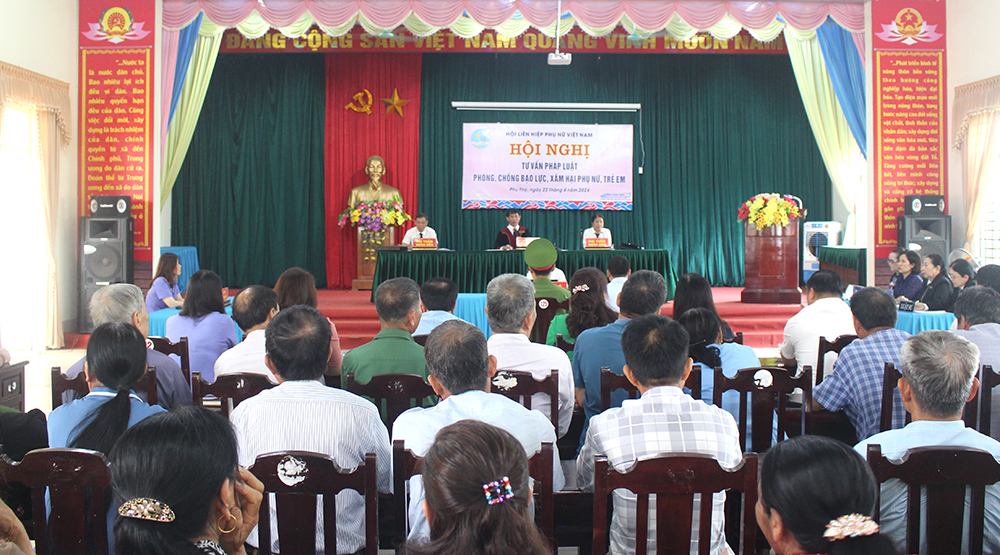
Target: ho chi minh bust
(374, 189)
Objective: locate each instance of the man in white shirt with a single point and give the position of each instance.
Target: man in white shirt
(939, 377)
(664, 420)
(978, 312)
(618, 273)
(421, 231)
(510, 307)
(302, 414)
(825, 315)
(460, 372)
(253, 309)
(438, 297)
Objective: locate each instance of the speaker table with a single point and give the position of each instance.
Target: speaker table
(916, 322)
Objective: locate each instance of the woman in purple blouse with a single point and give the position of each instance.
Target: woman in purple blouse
(910, 284)
(203, 320)
(164, 292)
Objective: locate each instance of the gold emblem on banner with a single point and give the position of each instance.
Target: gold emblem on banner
(394, 103)
(909, 22)
(364, 98)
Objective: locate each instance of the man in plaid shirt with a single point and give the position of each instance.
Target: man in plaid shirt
(664, 420)
(856, 382)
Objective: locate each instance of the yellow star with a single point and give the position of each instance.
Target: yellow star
(394, 103)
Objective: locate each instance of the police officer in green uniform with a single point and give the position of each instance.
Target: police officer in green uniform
(540, 256)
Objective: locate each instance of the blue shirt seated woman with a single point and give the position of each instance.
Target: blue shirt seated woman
(909, 285)
(164, 292)
(203, 320)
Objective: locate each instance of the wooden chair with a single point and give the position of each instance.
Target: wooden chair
(825, 347)
(566, 346)
(941, 477)
(520, 386)
(737, 338)
(545, 310)
(675, 479)
(230, 389)
(399, 392)
(311, 474)
(80, 388)
(77, 481)
(611, 381)
(889, 380)
(764, 384)
(988, 379)
(421, 339)
(405, 465)
(165, 346)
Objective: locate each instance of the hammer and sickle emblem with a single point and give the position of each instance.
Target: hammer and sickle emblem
(364, 98)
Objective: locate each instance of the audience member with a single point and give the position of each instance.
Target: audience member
(936, 291)
(706, 349)
(694, 291)
(180, 489)
(203, 320)
(855, 385)
(121, 303)
(164, 292)
(597, 230)
(587, 307)
(962, 276)
(642, 295)
(618, 272)
(478, 495)
(510, 307)
(253, 308)
(297, 286)
(507, 238)
(825, 315)
(14, 538)
(438, 297)
(893, 261)
(302, 414)
(909, 283)
(663, 421)
(939, 377)
(989, 276)
(460, 372)
(420, 231)
(116, 361)
(799, 512)
(541, 256)
(978, 314)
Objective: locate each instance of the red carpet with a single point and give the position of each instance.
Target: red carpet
(761, 324)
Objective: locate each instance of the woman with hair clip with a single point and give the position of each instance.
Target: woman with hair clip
(116, 360)
(817, 495)
(203, 320)
(179, 487)
(694, 291)
(164, 291)
(588, 307)
(477, 494)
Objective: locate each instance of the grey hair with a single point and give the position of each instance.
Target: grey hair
(940, 367)
(457, 356)
(510, 298)
(979, 305)
(116, 303)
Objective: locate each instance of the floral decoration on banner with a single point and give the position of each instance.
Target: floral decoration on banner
(374, 217)
(770, 209)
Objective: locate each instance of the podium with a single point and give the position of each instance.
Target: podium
(367, 255)
(771, 264)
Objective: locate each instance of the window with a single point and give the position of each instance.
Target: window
(987, 236)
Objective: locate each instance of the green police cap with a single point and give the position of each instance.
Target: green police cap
(540, 255)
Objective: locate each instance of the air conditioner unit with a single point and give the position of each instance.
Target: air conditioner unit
(814, 236)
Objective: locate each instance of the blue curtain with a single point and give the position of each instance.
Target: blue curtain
(843, 63)
(185, 46)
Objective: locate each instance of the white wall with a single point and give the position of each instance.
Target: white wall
(41, 36)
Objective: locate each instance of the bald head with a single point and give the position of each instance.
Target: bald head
(253, 306)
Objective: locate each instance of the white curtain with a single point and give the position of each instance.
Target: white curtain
(977, 122)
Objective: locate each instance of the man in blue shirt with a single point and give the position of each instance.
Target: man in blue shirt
(643, 294)
(438, 297)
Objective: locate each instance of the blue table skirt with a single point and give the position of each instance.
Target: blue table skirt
(916, 322)
(471, 307)
(158, 321)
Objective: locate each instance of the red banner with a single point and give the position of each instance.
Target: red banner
(489, 41)
(116, 110)
(909, 106)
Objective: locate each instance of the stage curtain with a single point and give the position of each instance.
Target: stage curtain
(716, 130)
(351, 137)
(847, 74)
(250, 192)
(832, 133)
(975, 126)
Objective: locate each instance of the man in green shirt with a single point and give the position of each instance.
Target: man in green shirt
(540, 256)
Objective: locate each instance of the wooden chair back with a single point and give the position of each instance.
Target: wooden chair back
(890, 379)
(988, 379)
(229, 389)
(545, 310)
(825, 347)
(167, 347)
(520, 386)
(311, 474)
(79, 497)
(675, 479)
(398, 392)
(80, 388)
(768, 388)
(737, 338)
(405, 465)
(561, 342)
(940, 477)
(611, 381)
(421, 339)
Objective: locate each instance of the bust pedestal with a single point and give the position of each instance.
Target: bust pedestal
(367, 256)
(771, 265)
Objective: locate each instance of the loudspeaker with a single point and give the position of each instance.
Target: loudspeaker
(110, 206)
(923, 205)
(106, 252)
(931, 233)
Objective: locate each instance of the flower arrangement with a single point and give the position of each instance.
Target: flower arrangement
(374, 217)
(770, 209)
